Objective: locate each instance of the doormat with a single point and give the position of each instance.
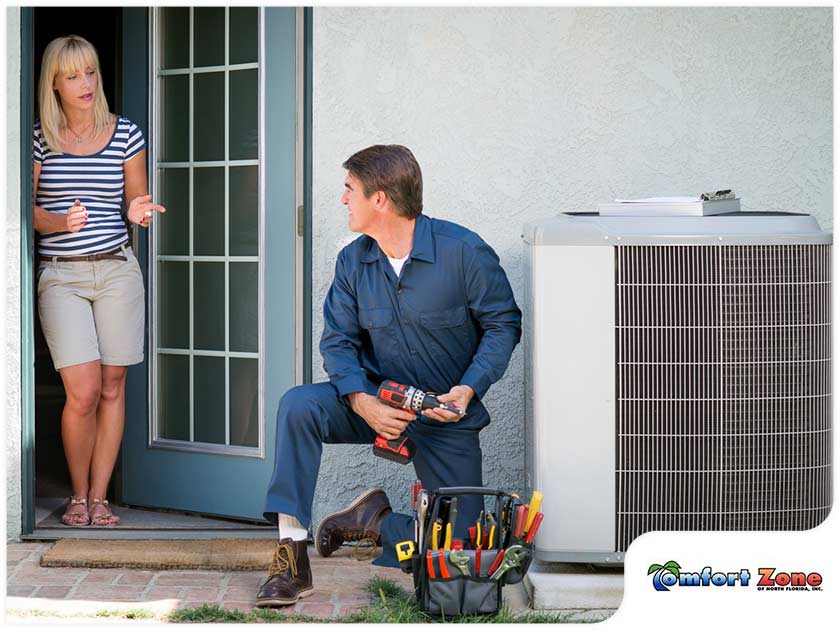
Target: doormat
(217, 554)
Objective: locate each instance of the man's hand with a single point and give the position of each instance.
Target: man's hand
(386, 421)
(460, 396)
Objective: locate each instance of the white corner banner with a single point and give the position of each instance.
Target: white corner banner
(732, 579)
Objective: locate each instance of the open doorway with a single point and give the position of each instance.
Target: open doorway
(103, 28)
(123, 39)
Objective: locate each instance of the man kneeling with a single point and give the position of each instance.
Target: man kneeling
(417, 300)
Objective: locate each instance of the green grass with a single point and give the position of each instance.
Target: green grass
(138, 613)
(392, 604)
(217, 614)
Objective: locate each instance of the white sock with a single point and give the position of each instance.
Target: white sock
(290, 527)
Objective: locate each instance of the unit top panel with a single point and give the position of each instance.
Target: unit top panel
(736, 228)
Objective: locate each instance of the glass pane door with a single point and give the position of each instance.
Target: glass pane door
(206, 248)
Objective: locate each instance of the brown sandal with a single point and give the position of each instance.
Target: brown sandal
(76, 514)
(101, 514)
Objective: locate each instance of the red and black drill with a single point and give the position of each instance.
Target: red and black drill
(402, 449)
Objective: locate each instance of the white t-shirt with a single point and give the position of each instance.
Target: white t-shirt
(397, 264)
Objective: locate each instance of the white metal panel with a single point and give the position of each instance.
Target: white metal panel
(738, 228)
(572, 395)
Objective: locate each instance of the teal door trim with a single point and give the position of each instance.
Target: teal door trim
(27, 299)
(307, 195)
(135, 106)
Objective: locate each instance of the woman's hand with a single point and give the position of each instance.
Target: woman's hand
(142, 210)
(76, 217)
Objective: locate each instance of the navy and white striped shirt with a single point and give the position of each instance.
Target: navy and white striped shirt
(96, 180)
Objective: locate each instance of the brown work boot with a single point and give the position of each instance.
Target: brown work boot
(359, 521)
(289, 577)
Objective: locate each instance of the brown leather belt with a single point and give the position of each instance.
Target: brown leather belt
(112, 255)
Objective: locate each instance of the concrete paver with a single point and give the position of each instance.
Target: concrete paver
(339, 582)
(339, 588)
(591, 616)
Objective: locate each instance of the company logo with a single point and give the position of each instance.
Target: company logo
(773, 580)
(668, 575)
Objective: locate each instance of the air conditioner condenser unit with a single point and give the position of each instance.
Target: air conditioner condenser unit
(678, 375)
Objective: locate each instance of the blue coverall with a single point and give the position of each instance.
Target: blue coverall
(449, 319)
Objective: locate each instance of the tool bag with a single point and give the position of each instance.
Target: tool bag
(461, 594)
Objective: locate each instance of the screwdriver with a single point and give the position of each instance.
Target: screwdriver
(416, 486)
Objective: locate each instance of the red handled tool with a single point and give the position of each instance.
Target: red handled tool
(533, 508)
(430, 566)
(444, 572)
(521, 515)
(496, 562)
(535, 525)
(416, 487)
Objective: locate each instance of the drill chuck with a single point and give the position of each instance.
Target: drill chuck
(410, 398)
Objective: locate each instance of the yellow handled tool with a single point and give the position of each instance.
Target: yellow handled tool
(534, 503)
(435, 533)
(492, 533)
(405, 550)
(447, 541)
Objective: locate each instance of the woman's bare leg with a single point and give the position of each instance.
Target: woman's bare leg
(82, 386)
(110, 422)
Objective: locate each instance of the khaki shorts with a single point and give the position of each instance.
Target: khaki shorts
(92, 311)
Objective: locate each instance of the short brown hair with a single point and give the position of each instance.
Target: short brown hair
(392, 169)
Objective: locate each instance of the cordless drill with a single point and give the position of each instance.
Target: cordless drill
(402, 449)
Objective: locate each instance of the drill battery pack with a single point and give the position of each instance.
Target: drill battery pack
(402, 450)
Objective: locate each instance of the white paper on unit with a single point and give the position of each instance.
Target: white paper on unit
(660, 200)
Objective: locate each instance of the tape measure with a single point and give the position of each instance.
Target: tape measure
(405, 550)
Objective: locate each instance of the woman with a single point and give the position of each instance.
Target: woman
(90, 289)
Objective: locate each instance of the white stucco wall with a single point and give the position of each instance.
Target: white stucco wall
(11, 233)
(518, 114)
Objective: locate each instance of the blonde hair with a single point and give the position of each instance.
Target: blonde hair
(63, 56)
